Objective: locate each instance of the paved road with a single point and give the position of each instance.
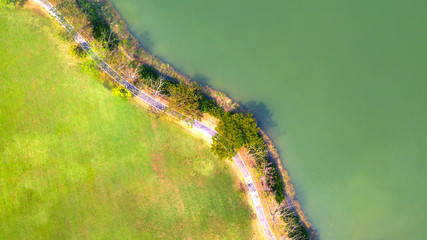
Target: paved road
(198, 126)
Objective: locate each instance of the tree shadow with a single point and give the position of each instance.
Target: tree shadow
(145, 40)
(262, 114)
(200, 79)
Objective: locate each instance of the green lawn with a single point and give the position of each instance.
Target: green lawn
(79, 163)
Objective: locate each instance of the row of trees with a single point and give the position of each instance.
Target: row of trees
(184, 98)
(235, 130)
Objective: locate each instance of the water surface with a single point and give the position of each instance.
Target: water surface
(341, 87)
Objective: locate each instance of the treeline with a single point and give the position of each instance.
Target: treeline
(235, 130)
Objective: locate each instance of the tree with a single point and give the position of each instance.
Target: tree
(101, 30)
(147, 73)
(222, 148)
(235, 130)
(256, 152)
(239, 129)
(208, 105)
(131, 70)
(157, 85)
(105, 35)
(294, 228)
(184, 99)
(72, 13)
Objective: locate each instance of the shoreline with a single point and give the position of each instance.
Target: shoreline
(231, 104)
(225, 102)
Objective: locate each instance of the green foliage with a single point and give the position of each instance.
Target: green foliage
(101, 30)
(167, 87)
(10, 3)
(120, 91)
(185, 99)
(89, 66)
(295, 229)
(77, 51)
(236, 130)
(239, 129)
(65, 36)
(151, 78)
(147, 73)
(222, 148)
(208, 105)
(270, 174)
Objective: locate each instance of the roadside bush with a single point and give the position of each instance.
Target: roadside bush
(77, 51)
(65, 36)
(147, 72)
(120, 91)
(89, 66)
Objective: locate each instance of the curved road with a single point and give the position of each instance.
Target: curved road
(198, 126)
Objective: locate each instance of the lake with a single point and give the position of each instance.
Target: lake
(340, 86)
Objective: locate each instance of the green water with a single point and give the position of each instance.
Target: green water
(341, 87)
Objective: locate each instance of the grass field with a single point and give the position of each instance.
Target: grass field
(79, 163)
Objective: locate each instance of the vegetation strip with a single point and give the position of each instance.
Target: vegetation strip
(202, 128)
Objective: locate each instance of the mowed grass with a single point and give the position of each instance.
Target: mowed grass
(79, 163)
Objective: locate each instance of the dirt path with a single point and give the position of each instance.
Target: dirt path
(197, 126)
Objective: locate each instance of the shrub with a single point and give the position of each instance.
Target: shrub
(120, 91)
(89, 67)
(77, 51)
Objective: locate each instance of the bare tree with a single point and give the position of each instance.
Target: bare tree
(293, 225)
(131, 71)
(108, 39)
(157, 85)
(256, 152)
